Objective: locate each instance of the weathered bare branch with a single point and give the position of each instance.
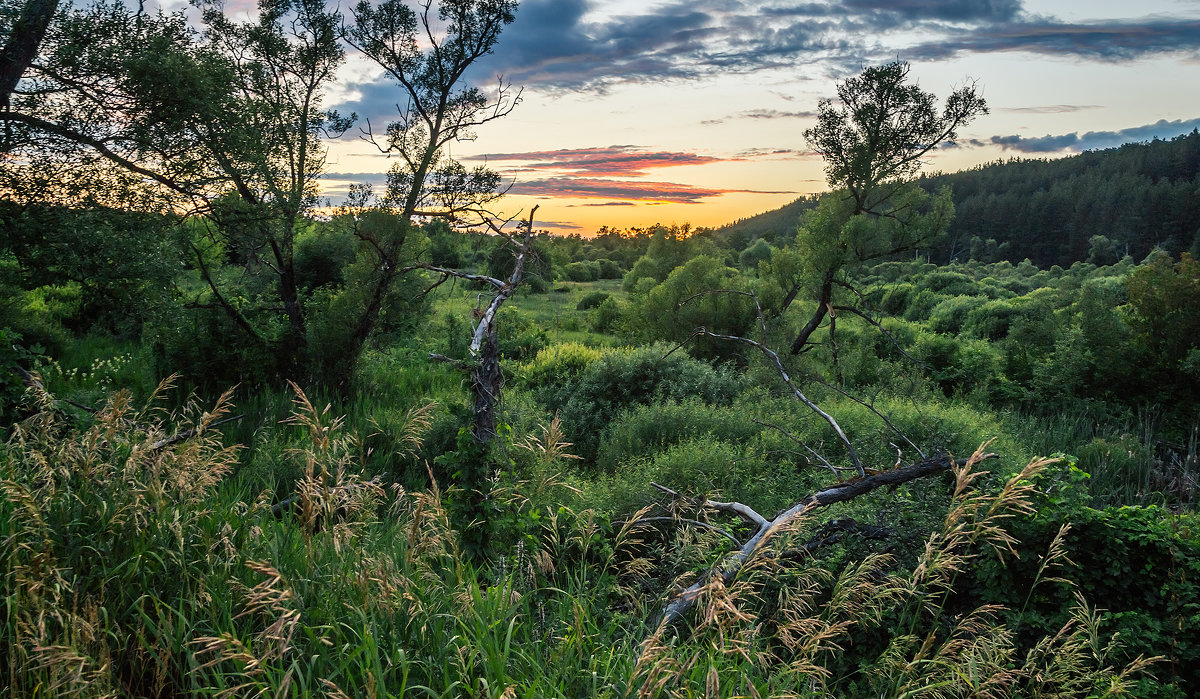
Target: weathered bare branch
(188, 434)
(774, 359)
(744, 511)
(825, 462)
(728, 568)
(886, 420)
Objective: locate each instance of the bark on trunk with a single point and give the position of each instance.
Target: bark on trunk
(27, 34)
(823, 299)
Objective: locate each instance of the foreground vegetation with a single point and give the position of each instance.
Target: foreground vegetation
(318, 553)
(249, 450)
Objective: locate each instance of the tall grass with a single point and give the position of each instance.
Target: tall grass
(135, 566)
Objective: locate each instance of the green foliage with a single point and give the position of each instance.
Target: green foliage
(959, 366)
(646, 429)
(1143, 562)
(558, 363)
(592, 300)
(621, 379)
(322, 255)
(582, 271)
(14, 353)
(692, 297)
(756, 254)
(950, 315)
(1164, 300)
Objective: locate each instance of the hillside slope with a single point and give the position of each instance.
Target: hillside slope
(1138, 196)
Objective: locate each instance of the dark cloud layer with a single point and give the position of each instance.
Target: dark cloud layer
(622, 190)
(761, 114)
(1051, 108)
(557, 44)
(610, 161)
(1096, 140)
(1100, 40)
(955, 11)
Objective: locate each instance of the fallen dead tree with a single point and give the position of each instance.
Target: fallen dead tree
(679, 605)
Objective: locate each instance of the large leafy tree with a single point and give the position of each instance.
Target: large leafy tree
(874, 138)
(426, 48)
(226, 121)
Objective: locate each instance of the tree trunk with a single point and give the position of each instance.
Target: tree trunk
(486, 379)
(823, 299)
(28, 31)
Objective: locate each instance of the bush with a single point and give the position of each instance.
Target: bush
(624, 378)
(592, 300)
(950, 315)
(645, 429)
(320, 256)
(607, 317)
(946, 282)
(673, 309)
(922, 303)
(582, 271)
(610, 269)
(557, 364)
(1140, 564)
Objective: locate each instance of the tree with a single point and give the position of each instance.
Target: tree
(427, 53)
(874, 140)
(228, 124)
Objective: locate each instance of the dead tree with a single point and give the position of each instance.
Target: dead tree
(765, 529)
(486, 376)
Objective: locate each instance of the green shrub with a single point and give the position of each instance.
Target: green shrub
(608, 316)
(592, 299)
(582, 271)
(321, 253)
(610, 269)
(896, 298)
(559, 363)
(624, 378)
(950, 315)
(645, 429)
(947, 282)
(922, 303)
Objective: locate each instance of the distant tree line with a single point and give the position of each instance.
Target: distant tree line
(1097, 206)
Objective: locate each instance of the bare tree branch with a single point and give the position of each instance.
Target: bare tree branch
(744, 511)
(678, 606)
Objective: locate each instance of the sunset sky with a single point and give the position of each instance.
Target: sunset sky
(637, 112)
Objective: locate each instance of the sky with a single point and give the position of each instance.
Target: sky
(637, 112)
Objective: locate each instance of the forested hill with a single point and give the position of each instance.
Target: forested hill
(1137, 196)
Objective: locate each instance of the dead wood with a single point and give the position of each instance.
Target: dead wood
(189, 433)
(679, 606)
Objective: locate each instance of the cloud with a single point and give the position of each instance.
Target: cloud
(374, 102)
(1108, 41)
(639, 191)
(955, 11)
(336, 185)
(962, 143)
(610, 161)
(558, 44)
(776, 153)
(762, 114)
(570, 44)
(1051, 108)
(1096, 140)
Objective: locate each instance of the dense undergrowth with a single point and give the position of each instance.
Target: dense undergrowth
(348, 538)
(139, 569)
